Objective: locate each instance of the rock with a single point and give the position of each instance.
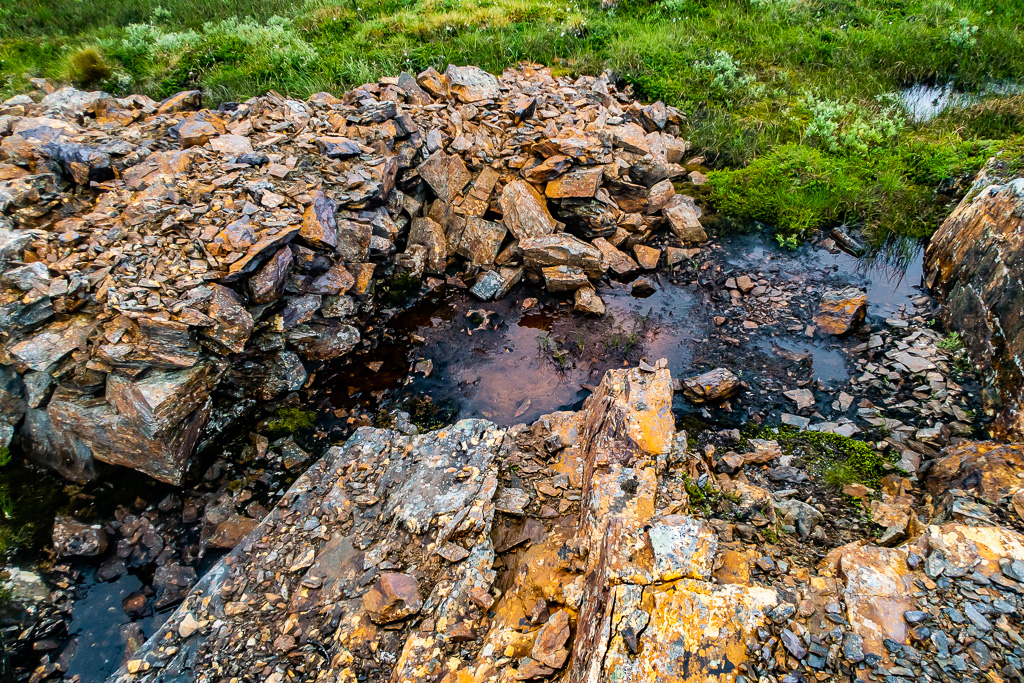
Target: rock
(856, 491)
(171, 584)
(630, 138)
(481, 241)
(232, 323)
(549, 646)
(73, 538)
(969, 264)
(986, 468)
(319, 227)
(580, 183)
(393, 597)
(49, 345)
(800, 515)
(642, 286)
(495, 284)
(841, 311)
(561, 250)
(230, 532)
(471, 83)
(712, 386)
(587, 301)
(231, 145)
(446, 174)
(323, 340)
(647, 257)
(617, 262)
(525, 212)
(683, 217)
(804, 398)
(560, 279)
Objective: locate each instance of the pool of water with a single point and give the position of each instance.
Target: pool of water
(511, 362)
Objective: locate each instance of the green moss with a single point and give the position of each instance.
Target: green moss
(288, 420)
(427, 415)
(397, 289)
(834, 459)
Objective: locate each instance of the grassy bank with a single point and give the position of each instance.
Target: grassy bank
(793, 100)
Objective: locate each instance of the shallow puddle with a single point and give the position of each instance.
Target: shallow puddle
(512, 364)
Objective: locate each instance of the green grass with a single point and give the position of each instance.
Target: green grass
(789, 99)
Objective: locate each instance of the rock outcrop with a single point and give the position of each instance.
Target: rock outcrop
(380, 563)
(147, 247)
(974, 264)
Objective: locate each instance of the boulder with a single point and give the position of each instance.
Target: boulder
(471, 83)
(684, 218)
(393, 597)
(972, 264)
(986, 468)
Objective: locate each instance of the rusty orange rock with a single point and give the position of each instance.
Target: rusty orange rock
(973, 263)
(841, 311)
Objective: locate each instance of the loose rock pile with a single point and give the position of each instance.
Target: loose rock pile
(150, 249)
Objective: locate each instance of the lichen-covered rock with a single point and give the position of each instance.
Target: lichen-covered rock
(841, 311)
(974, 263)
(986, 468)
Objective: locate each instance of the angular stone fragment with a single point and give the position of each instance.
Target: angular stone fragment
(549, 646)
(231, 145)
(335, 281)
(618, 262)
(111, 438)
(49, 345)
(232, 323)
(525, 211)
(561, 250)
(712, 386)
(319, 227)
(841, 311)
(195, 133)
(647, 257)
(987, 468)
(586, 300)
(393, 597)
(429, 234)
(495, 284)
(630, 137)
(548, 169)
(446, 174)
(268, 283)
(155, 403)
(481, 241)
(353, 240)
(324, 340)
(683, 217)
(559, 279)
(577, 184)
(74, 538)
(471, 83)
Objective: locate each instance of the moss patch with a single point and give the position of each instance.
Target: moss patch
(832, 459)
(288, 420)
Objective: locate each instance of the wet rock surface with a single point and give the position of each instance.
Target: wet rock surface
(974, 262)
